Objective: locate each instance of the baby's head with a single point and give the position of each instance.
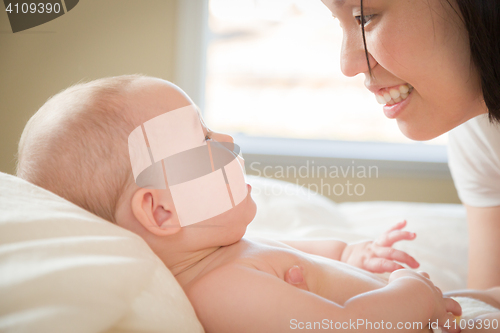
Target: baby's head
(76, 146)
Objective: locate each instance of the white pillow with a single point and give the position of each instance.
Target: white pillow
(63, 269)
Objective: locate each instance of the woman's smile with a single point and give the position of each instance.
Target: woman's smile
(394, 94)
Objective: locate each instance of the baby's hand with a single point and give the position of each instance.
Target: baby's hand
(445, 308)
(379, 256)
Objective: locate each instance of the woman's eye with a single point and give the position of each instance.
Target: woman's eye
(366, 18)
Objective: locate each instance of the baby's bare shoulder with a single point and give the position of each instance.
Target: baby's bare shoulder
(258, 254)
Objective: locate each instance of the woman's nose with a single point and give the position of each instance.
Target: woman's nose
(222, 137)
(353, 57)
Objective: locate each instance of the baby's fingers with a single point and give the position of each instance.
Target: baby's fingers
(448, 322)
(452, 306)
(394, 236)
(397, 226)
(397, 255)
(379, 265)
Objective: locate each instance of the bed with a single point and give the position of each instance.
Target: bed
(63, 269)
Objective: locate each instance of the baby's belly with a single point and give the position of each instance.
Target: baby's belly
(328, 278)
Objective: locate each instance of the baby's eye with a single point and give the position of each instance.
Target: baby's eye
(366, 18)
(207, 137)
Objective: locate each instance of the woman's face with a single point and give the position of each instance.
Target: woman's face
(422, 43)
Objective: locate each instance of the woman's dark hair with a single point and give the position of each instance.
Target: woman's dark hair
(482, 21)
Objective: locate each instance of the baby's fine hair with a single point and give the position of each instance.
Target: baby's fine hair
(75, 145)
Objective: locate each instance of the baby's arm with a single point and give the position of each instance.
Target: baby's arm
(375, 256)
(242, 299)
(328, 248)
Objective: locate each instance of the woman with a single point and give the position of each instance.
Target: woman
(435, 64)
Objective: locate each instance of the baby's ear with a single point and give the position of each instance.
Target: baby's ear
(154, 211)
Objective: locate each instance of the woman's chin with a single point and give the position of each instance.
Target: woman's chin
(419, 132)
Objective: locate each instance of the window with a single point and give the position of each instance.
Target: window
(273, 70)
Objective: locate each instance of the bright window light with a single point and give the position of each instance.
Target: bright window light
(273, 69)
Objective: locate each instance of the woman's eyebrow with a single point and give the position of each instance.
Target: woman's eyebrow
(333, 3)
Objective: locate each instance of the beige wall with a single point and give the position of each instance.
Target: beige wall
(112, 37)
(97, 38)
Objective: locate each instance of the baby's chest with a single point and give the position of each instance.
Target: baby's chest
(277, 261)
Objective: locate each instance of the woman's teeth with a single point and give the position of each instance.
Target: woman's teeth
(394, 94)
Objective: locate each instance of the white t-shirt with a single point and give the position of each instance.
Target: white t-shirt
(474, 161)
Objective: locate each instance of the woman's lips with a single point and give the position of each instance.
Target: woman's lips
(394, 110)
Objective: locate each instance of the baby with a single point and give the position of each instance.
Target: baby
(77, 145)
